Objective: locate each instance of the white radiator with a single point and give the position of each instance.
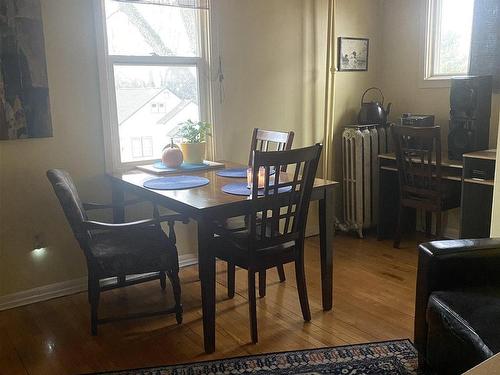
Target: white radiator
(361, 144)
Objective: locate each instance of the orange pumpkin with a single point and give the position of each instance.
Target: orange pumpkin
(172, 155)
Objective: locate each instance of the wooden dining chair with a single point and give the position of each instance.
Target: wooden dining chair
(270, 140)
(277, 221)
(262, 140)
(120, 250)
(421, 184)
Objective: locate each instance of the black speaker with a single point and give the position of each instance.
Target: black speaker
(470, 103)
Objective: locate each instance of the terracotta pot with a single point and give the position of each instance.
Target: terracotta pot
(193, 152)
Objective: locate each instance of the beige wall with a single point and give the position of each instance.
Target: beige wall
(262, 44)
(354, 18)
(28, 206)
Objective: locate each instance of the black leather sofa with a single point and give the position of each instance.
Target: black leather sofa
(457, 311)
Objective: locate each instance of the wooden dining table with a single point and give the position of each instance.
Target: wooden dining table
(208, 203)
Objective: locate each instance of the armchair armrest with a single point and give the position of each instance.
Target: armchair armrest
(456, 264)
(97, 225)
(89, 206)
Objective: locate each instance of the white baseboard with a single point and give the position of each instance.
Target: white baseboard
(43, 293)
(66, 288)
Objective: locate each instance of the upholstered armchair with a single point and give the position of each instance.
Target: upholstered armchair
(119, 250)
(457, 312)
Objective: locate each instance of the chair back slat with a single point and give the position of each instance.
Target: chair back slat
(418, 156)
(71, 204)
(270, 140)
(279, 209)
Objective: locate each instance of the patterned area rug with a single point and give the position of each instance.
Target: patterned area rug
(390, 357)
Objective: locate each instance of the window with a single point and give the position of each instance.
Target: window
(141, 147)
(448, 38)
(153, 72)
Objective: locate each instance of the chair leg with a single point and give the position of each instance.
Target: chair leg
(300, 275)
(281, 273)
(438, 224)
(262, 283)
(231, 274)
(94, 294)
(252, 306)
(428, 224)
(397, 235)
(173, 276)
(163, 280)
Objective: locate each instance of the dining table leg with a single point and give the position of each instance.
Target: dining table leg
(326, 232)
(206, 269)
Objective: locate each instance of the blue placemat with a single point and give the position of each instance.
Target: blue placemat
(176, 182)
(183, 167)
(240, 188)
(233, 173)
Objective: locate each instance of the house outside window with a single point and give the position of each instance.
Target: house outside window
(447, 38)
(154, 75)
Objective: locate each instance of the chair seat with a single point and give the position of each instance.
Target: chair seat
(464, 328)
(135, 251)
(232, 246)
(447, 199)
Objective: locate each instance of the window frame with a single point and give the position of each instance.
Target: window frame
(430, 25)
(106, 65)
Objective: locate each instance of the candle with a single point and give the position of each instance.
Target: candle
(262, 177)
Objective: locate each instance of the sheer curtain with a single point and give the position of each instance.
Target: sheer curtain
(485, 43)
(197, 4)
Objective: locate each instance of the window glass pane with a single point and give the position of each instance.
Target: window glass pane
(147, 147)
(148, 30)
(453, 37)
(151, 102)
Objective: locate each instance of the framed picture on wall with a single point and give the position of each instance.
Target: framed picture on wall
(24, 88)
(353, 54)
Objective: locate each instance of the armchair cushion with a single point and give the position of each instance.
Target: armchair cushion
(136, 251)
(464, 328)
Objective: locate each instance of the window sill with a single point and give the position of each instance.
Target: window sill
(437, 82)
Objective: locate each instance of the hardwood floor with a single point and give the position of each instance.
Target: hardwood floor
(374, 290)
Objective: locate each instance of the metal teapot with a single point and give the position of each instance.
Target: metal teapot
(373, 112)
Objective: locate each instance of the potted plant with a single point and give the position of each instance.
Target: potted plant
(194, 135)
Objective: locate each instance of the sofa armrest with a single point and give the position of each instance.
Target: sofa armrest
(459, 263)
(454, 264)
(462, 248)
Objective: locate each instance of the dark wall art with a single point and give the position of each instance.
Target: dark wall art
(24, 91)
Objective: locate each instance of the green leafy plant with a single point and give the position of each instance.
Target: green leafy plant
(194, 132)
